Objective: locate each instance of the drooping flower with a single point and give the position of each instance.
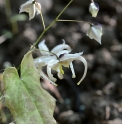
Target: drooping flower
(95, 32)
(93, 9)
(56, 59)
(31, 7)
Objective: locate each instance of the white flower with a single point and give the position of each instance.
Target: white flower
(95, 32)
(31, 7)
(58, 58)
(93, 9)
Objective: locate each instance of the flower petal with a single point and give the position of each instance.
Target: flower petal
(43, 48)
(50, 75)
(70, 57)
(38, 8)
(26, 6)
(32, 12)
(72, 69)
(85, 70)
(61, 47)
(43, 60)
(53, 63)
(46, 78)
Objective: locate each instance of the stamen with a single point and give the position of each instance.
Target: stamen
(61, 70)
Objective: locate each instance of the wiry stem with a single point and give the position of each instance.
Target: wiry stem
(42, 19)
(51, 24)
(61, 20)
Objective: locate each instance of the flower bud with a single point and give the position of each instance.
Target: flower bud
(95, 32)
(93, 9)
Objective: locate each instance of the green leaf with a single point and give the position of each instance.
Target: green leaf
(28, 102)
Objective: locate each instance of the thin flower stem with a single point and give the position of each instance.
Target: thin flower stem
(53, 22)
(64, 9)
(61, 20)
(42, 19)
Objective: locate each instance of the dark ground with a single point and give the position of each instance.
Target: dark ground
(98, 100)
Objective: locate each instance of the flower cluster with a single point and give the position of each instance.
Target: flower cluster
(55, 59)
